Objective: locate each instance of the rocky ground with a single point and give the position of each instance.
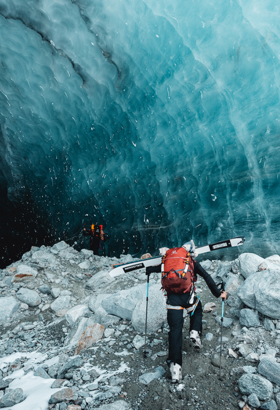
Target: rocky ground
(72, 337)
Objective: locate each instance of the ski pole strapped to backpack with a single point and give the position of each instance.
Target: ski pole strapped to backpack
(177, 270)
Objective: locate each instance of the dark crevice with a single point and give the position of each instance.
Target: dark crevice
(106, 54)
(75, 66)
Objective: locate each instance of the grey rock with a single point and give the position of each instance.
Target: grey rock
(116, 381)
(45, 289)
(8, 306)
(249, 369)
(54, 369)
(62, 302)
(74, 363)
(123, 303)
(84, 265)
(138, 341)
(25, 269)
(270, 370)
(55, 292)
(86, 253)
(73, 314)
(253, 400)
(117, 405)
(95, 301)
(148, 377)
(12, 397)
(40, 372)
(269, 405)
(156, 312)
(28, 296)
(42, 256)
(227, 322)
(268, 325)
(79, 327)
(62, 395)
(223, 270)
(4, 384)
(233, 282)
(253, 383)
(60, 246)
(216, 360)
(102, 317)
(100, 396)
(209, 336)
(99, 280)
(256, 293)
(277, 398)
(249, 318)
(249, 263)
(235, 302)
(108, 332)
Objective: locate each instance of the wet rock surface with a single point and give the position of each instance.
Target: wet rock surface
(80, 332)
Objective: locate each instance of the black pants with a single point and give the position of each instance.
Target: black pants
(175, 320)
(95, 248)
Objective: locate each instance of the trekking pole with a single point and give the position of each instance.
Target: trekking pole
(222, 284)
(146, 352)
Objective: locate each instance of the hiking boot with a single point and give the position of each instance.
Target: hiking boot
(195, 339)
(176, 372)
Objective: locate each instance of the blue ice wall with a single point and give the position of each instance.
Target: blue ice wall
(158, 119)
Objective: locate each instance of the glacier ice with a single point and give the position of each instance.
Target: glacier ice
(158, 119)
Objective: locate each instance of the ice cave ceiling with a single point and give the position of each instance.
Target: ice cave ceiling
(158, 119)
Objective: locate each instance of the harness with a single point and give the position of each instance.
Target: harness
(190, 309)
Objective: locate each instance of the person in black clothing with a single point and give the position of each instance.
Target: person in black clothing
(96, 235)
(176, 302)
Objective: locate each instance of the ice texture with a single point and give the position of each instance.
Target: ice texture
(159, 119)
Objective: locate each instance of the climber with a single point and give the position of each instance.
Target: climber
(104, 244)
(179, 272)
(96, 235)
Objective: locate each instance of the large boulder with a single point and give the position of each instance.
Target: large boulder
(249, 263)
(123, 303)
(261, 291)
(8, 306)
(28, 296)
(270, 369)
(249, 318)
(156, 311)
(12, 398)
(253, 383)
(274, 259)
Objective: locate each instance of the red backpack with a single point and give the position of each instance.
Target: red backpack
(177, 271)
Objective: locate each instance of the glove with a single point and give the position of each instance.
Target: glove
(149, 270)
